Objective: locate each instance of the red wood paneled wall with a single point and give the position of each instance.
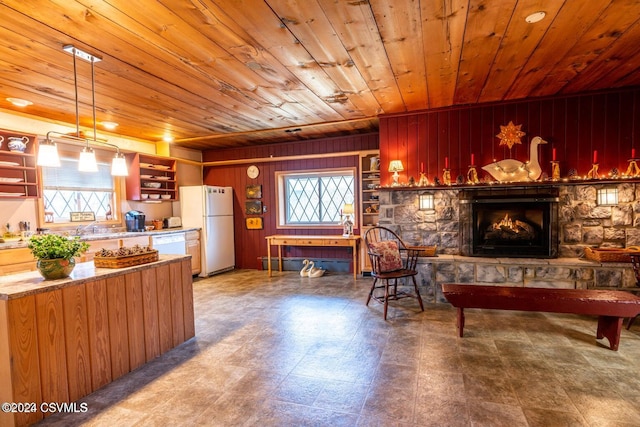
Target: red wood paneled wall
(574, 125)
(251, 244)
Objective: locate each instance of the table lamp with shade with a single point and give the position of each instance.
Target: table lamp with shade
(395, 166)
(347, 223)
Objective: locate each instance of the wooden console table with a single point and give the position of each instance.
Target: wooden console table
(293, 240)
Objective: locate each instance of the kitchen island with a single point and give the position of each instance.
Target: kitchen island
(62, 339)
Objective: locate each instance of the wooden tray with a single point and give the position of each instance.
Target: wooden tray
(609, 254)
(125, 261)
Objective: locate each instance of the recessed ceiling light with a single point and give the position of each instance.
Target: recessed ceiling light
(110, 125)
(19, 102)
(535, 17)
(167, 138)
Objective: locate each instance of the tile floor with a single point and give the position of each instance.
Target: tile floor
(292, 351)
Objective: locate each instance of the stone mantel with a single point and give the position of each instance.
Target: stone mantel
(514, 185)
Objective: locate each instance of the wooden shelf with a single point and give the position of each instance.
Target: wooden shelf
(368, 200)
(18, 171)
(145, 169)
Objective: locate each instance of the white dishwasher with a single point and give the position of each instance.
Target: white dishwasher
(170, 244)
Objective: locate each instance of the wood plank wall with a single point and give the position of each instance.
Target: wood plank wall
(608, 122)
(251, 244)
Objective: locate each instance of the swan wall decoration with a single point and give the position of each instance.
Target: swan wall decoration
(512, 170)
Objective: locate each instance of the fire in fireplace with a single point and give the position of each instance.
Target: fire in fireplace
(512, 225)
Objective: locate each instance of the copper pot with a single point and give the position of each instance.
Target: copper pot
(157, 224)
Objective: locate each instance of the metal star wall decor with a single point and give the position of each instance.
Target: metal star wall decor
(510, 135)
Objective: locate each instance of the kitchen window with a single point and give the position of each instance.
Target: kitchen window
(66, 190)
(314, 198)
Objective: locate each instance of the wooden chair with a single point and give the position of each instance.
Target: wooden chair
(391, 260)
(635, 263)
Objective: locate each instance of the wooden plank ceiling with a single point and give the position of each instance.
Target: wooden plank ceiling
(225, 73)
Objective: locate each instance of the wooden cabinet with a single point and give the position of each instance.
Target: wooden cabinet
(370, 199)
(16, 260)
(151, 178)
(18, 172)
(193, 249)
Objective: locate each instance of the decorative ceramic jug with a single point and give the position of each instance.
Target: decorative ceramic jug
(374, 163)
(18, 143)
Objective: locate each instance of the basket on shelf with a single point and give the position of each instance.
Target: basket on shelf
(610, 254)
(424, 250)
(126, 260)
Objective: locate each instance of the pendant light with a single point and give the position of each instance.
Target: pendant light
(48, 152)
(119, 165)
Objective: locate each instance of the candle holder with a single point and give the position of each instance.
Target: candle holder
(472, 175)
(423, 181)
(555, 170)
(633, 170)
(446, 176)
(593, 173)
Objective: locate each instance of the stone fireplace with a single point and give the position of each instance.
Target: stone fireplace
(509, 223)
(575, 221)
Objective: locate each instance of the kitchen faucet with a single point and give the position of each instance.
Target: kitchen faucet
(81, 229)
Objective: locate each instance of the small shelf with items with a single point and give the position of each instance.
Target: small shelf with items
(369, 198)
(370, 189)
(18, 171)
(151, 178)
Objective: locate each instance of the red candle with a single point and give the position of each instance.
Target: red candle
(554, 154)
(473, 159)
(446, 163)
(595, 156)
(421, 167)
(633, 153)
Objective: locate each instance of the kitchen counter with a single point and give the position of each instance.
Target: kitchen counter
(105, 236)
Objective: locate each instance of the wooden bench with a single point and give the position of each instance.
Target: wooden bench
(611, 307)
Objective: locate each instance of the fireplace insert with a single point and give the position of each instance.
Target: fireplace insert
(513, 225)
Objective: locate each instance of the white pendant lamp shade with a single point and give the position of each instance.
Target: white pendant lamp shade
(87, 162)
(119, 166)
(48, 155)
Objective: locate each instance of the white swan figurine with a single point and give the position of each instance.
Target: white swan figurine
(515, 170)
(315, 272)
(305, 268)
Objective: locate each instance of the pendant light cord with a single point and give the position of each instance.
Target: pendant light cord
(75, 86)
(93, 100)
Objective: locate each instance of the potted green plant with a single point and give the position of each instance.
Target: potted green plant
(55, 254)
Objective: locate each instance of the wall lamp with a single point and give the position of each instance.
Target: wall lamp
(426, 202)
(48, 154)
(607, 196)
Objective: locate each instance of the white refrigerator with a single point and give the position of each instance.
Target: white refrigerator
(210, 209)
